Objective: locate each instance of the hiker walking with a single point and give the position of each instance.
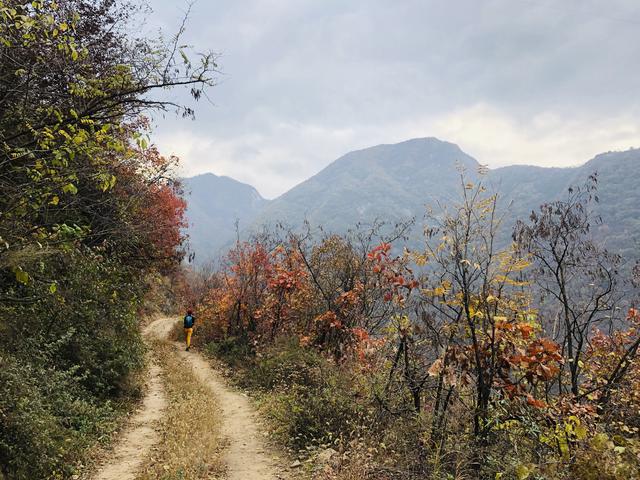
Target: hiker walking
(189, 320)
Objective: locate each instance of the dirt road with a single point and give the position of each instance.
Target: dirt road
(141, 433)
(247, 455)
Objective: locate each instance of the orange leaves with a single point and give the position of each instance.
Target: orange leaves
(287, 272)
(262, 293)
(364, 346)
(360, 333)
(351, 298)
(329, 319)
(436, 368)
(535, 402)
(525, 330)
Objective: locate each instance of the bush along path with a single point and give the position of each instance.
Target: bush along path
(194, 427)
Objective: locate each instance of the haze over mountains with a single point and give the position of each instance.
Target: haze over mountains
(396, 182)
(215, 204)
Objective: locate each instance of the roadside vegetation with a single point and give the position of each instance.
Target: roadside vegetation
(460, 360)
(90, 222)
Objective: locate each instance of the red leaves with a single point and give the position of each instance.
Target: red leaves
(380, 252)
(394, 275)
(162, 219)
(541, 361)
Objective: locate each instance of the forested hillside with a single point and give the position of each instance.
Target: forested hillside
(90, 218)
(397, 183)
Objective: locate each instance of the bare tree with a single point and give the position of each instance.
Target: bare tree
(577, 278)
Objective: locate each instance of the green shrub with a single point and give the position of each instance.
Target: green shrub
(307, 416)
(66, 367)
(287, 364)
(235, 351)
(310, 400)
(47, 419)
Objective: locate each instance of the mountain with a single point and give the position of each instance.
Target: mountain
(397, 182)
(214, 205)
(526, 187)
(386, 182)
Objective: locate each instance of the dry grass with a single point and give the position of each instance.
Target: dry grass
(190, 446)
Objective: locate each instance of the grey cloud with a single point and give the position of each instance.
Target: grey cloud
(360, 72)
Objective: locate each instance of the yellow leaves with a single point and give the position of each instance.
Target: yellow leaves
(21, 276)
(575, 429)
(570, 431)
(438, 291)
(420, 259)
(54, 200)
(70, 188)
(506, 280)
(509, 425)
(600, 441)
(523, 471)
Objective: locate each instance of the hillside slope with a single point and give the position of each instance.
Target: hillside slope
(397, 182)
(215, 204)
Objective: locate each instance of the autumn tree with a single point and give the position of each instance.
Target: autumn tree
(575, 275)
(89, 211)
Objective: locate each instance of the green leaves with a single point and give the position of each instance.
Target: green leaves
(106, 181)
(70, 188)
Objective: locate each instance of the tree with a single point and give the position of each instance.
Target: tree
(576, 276)
(89, 212)
(72, 89)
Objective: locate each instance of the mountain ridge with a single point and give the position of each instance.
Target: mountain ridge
(394, 182)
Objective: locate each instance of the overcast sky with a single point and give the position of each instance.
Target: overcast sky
(545, 82)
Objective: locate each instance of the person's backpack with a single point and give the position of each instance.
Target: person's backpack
(188, 321)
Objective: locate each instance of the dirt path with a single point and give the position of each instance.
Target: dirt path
(247, 456)
(141, 433)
